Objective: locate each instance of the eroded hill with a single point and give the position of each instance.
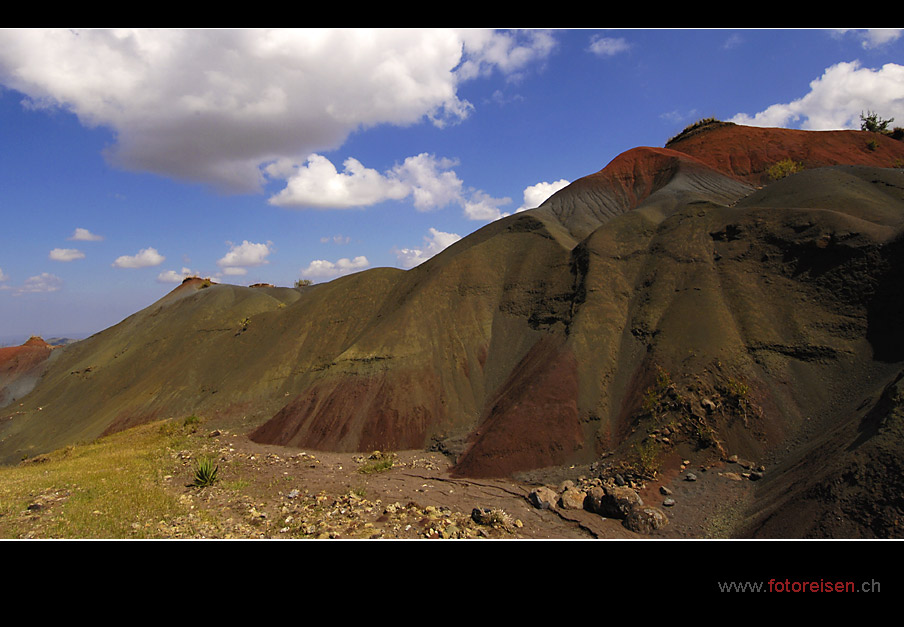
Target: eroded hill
(679, 304)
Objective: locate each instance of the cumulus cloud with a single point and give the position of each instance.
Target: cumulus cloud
(41, 283)
(217, 106)
(3, 277)
(171, 276)
(431, 181)
(323, 269)
(428, 180)
(84, 235)
(536, 195)
(607, 46)
(837, 98)
(145, 258)
(243, 256)
(66, 254)
(434, 243)
(318, 184)
(481, 206)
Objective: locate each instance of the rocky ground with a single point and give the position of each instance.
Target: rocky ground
(275, 492)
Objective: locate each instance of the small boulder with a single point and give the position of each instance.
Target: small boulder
(646, 520)
(543, 498)
(617, 502)
(572, 498)
(594, 499)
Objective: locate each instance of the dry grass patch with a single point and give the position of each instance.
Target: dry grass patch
(114, 487)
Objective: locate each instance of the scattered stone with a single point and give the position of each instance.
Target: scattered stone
(755, 476)
(619, 480)
(565, 485)
(646, 520)
(543, 498)
(452, 531)
(664, 490)
(731, 475)
(668, 502)
(708, 405)
(293, 494)
(690, 477)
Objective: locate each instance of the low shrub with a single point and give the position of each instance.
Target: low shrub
(205, 473)
(784, 168)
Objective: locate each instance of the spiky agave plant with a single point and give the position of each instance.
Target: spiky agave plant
(206, 473)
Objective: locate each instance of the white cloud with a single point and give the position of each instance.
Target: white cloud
(481, 206)
(66, 254)
(733, 41)
(171, 276)
(873, 37)
(84, 235)
(145, 258)
(318, 184)
(876, 37)
(511, 52)
(323, 269)
(42, 283)
(536, 195)
(428, 180)
(336, 239)
(217, 105)
(608, 46)
(3, 277)
(436, 242)
(837, 98)
(244, 255)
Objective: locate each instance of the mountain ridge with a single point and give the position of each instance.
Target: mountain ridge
(672, 281)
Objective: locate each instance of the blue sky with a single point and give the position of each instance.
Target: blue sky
(130, 159)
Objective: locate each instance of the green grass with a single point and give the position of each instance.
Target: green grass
(115, 487)
(378, 462)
